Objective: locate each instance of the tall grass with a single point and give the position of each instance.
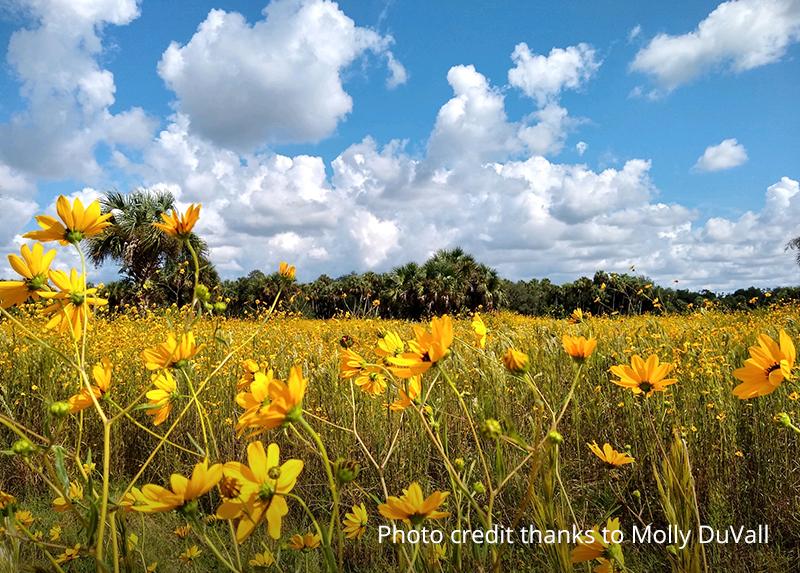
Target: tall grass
(744, 470)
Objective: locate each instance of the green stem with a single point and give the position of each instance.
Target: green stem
(84, 309)
(413, 558)
(486, 471)
(217, 554)
(326, 546)
(199, 410)
(41, 546)
(152, 433)
(101, 526)
(331, 483)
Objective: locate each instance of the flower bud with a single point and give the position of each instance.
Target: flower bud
(459, 464)
(59, 409)
(22, 448)
(554, 437)
(347, 471)
(516, 362)
(637, 494)
(347, 341)
(201, 293)
(783, 420)
(274, 472)
(220, 307)
(478, 488)
(491, 429)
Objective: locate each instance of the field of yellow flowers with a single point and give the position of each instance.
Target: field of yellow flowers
(744, 467)
(179, 440)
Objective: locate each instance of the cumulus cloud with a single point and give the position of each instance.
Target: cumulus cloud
(740, 35)
(278, 80)
(16, 208)
(483, 182)
(67, 92)
(479, 186)
(726, 155)
(548, 135)
(543, 78)
(375, 237)
(473, 125)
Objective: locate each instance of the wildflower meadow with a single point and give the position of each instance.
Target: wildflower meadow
(180, 439)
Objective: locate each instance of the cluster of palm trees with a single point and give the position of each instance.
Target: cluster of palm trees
(451, 281)
(151, 262)
(154, 269)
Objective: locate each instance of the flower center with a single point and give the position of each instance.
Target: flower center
(646, 386)
(229, 487)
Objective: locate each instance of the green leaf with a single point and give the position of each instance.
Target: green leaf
(61, 471)
(196, 445)
(511, 432)
(91, 523)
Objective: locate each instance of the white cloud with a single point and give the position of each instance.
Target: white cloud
(726, 155)
(543, 78)
(478, 187)
(397, 73)
(472, 126)
(483, 182)
(741, 34)
(375, 237)
(550, 133)
(67, 92)
(278, 80)
(581, 147)
(634, 33)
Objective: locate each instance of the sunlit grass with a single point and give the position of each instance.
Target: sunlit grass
(745, 469)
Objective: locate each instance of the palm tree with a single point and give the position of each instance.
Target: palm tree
(794, 244)
(141, 249)
(456, 282)
(404, 290)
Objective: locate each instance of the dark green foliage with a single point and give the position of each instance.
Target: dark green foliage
(150, 260)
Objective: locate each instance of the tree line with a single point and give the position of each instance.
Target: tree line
(156, 271)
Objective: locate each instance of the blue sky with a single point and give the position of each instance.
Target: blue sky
(549, 139)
